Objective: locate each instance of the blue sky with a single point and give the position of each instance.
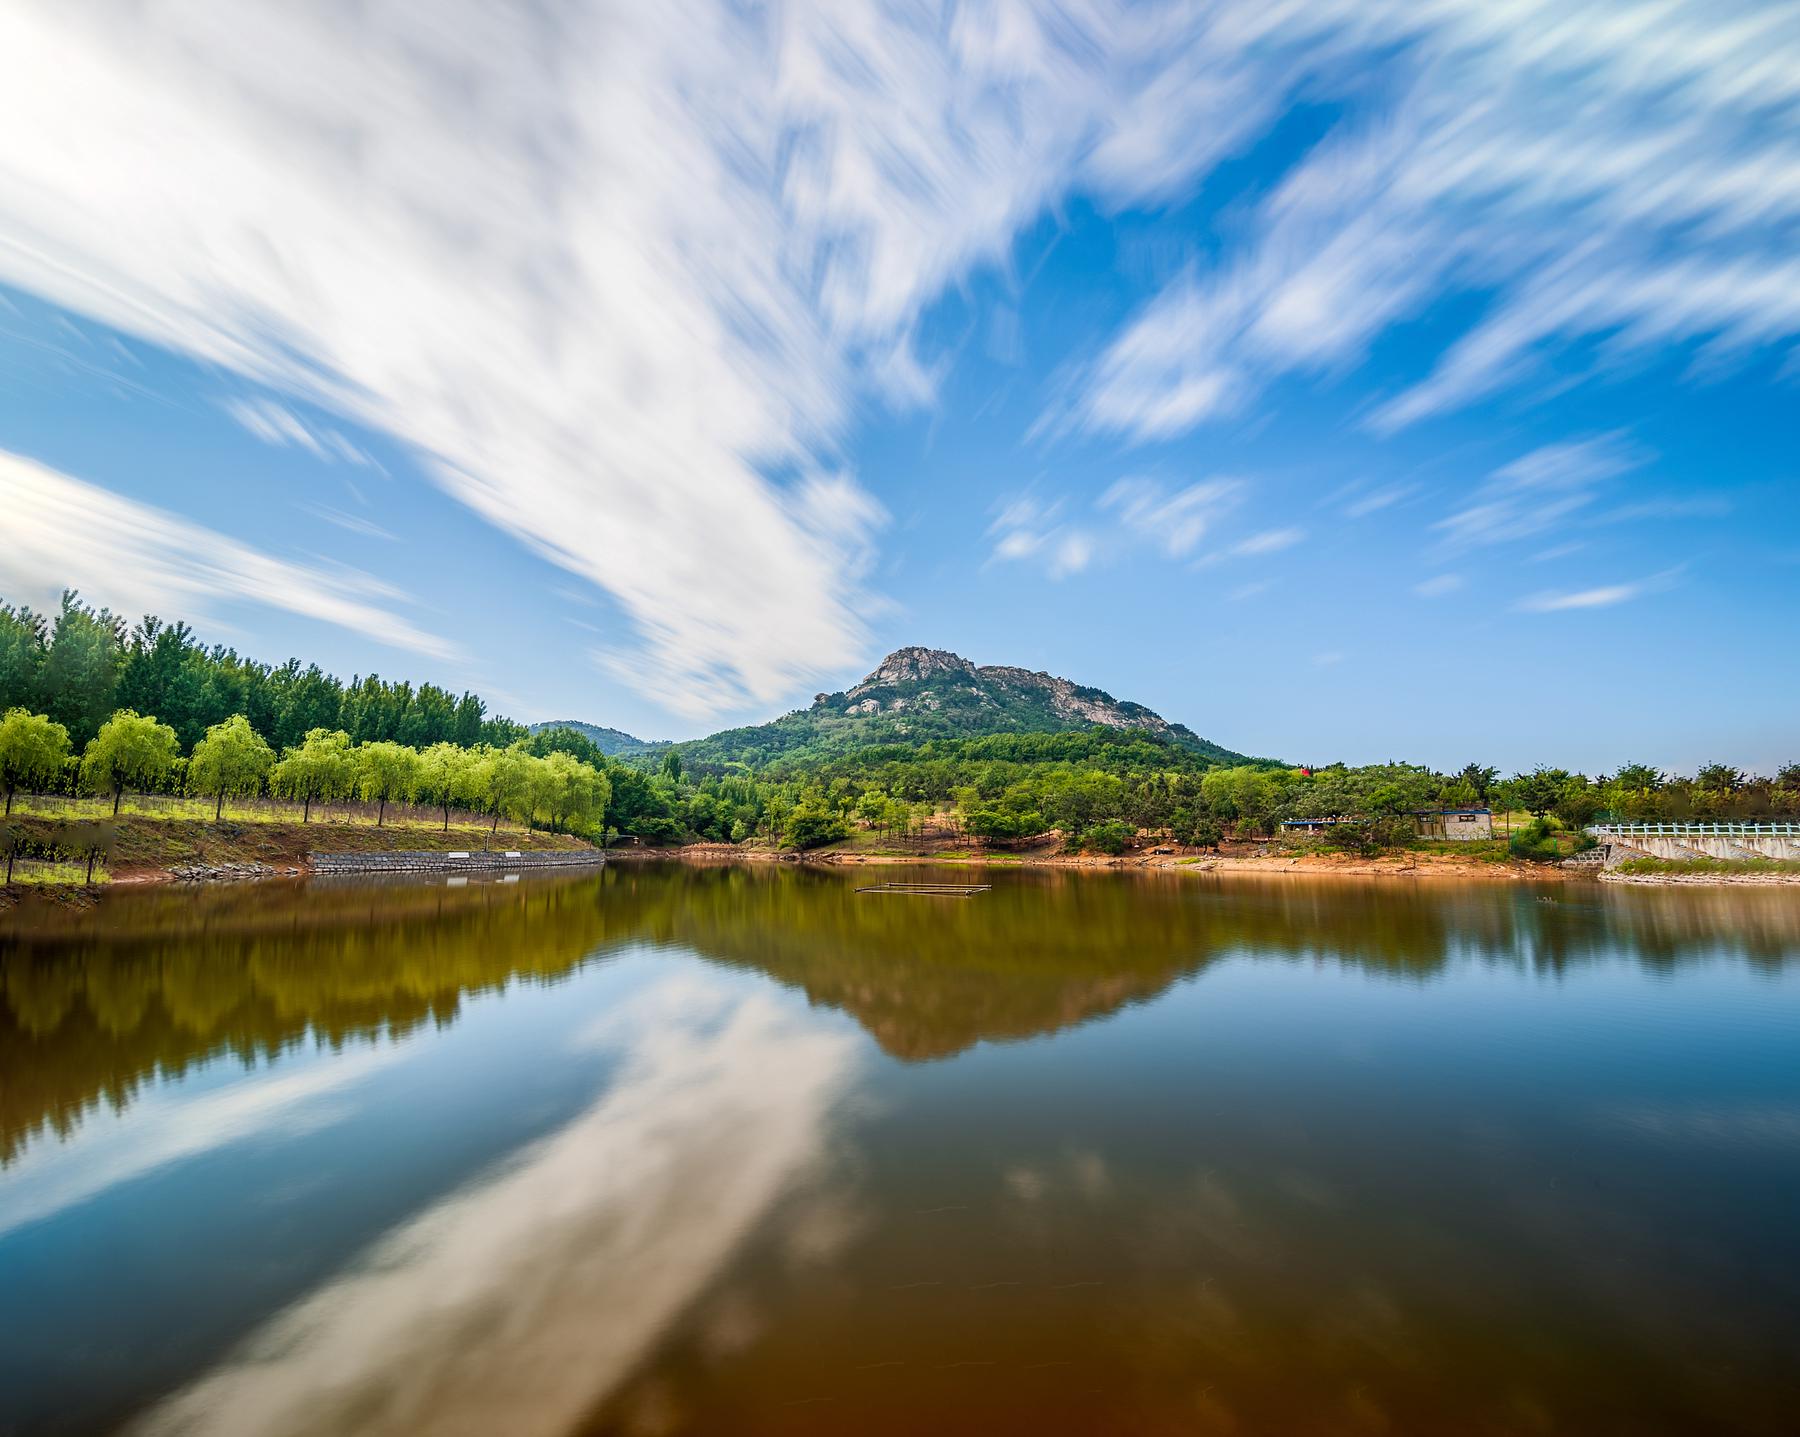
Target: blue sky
(1352, 379)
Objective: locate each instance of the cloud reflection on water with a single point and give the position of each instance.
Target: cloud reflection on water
(516, 1304)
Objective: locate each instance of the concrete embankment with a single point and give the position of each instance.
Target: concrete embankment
(487, 861)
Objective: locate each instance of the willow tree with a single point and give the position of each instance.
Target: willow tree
(32, 751)
(509, 784)
(440, 779)
(131, 750)
(232, 759)
(317, 770)
(386, 771)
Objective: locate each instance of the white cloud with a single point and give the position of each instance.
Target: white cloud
(1538, 492)
(1600, 598)
(1027, 529)
(1610, 170)
(135, 559)
(1073, 553)
(349, 523)
(1374, 502)
(278, 425)
(1143, 513)
(1268, 541)
(1173, 522)
(610, 267)
(1438, 586)
(607, 267)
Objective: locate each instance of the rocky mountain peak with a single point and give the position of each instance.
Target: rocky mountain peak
(913, 665)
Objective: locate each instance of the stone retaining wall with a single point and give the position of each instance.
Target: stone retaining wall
(509, 860)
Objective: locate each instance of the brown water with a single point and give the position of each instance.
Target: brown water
(743, 1151)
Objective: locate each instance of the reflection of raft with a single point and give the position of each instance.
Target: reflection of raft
(950, 890)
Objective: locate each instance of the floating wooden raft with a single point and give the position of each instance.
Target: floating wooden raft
(952, 890)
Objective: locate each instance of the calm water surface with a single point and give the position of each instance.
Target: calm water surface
(740, 1151)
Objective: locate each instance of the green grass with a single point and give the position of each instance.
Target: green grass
(154, 841)
(164, 808)
(1650, 866)
(35, 873)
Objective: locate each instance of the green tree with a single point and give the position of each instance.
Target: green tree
(24, 636)
(232, 759)
(32, 751)
(130, 751)
(1577, 801)
(1537, 792)
(439, 781)
(1480, 779)
(1109, 837)
(510, 784)
(81, 668)
(811, 825)
(475, 780)
(318, 770)
(573, 794)
(385, 771)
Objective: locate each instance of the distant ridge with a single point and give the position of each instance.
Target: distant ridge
(916, 694)
(610, 741)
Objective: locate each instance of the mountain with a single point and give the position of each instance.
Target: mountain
(916, 694)
(610, 741)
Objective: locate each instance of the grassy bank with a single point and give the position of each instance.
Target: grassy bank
(1707, 867)
(150, 844)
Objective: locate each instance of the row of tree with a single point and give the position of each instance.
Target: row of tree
(132, 752)
(1101, 786)
(81, 665)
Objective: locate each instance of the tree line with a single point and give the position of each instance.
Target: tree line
(81, 665)
(138, 753)
(1099, 787)
(299, 733)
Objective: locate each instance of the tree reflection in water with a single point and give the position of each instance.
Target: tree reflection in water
(153, 983)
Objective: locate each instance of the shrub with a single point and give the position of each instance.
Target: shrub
(1536, 842)
(1190, 829)
(1353, 837)
(810, 827)
(1109, 837)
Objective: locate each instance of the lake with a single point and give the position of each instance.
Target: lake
(740, 1150)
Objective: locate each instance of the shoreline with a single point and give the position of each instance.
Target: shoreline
(1414, 865)
(1410, 864)
(1406, 865)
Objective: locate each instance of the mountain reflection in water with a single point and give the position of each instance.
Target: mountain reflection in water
(720, 1151)
(152, 983)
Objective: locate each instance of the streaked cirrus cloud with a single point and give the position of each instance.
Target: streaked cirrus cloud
(615, 271)
(1623, 174)
(623, 275)
(62, 532)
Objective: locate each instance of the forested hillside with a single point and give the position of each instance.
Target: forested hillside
(612, 742)
(917, 695)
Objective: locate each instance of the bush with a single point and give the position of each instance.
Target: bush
(1353, 837)
(1537, 842)
(1191, 830)
(1110, 837)
(810, 827)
